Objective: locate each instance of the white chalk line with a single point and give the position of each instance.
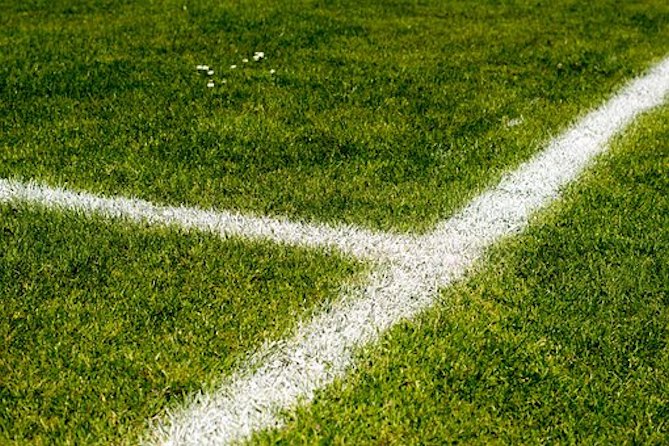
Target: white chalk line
(409, 269)
(356, 242)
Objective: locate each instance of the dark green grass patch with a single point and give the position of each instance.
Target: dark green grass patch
(562, 338)
(104, 325)
(384, 113)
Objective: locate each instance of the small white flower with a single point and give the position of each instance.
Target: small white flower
(210, 72)
(515, 122)
(210, 84)
(272, 71)
(232, 67)
(258, 55)
(245, 60)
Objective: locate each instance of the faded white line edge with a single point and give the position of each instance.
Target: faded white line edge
(287, 373)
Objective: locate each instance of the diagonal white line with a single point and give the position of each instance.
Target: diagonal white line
(409, 272)
(505, 208)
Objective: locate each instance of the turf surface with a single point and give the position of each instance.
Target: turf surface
(389, 114)
(105, 325)
(383, 113)
(562, 337)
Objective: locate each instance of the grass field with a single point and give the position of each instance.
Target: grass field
(388, 115)
(107, 324)
(561, 338)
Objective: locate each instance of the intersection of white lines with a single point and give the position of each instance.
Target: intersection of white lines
(408, 269)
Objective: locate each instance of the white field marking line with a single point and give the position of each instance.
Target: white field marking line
(288, 372)
(356, 242)
(409, 269)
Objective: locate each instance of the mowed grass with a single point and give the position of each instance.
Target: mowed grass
(562, 337)
(104, 325)
(389, 114)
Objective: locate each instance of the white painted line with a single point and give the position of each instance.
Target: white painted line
(360, 243)
(288, 373)
(409, 269)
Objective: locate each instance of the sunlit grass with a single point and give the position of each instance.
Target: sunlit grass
(106, 325)
(562, 337)
(386, 114)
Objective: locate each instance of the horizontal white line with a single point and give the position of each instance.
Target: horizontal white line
(357, 242)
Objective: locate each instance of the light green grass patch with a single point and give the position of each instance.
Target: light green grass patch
(561, 337)
(105, 325)
(385, 114)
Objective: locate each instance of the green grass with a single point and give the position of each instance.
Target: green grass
(105, 325)
(562, 337)
(389, 114)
